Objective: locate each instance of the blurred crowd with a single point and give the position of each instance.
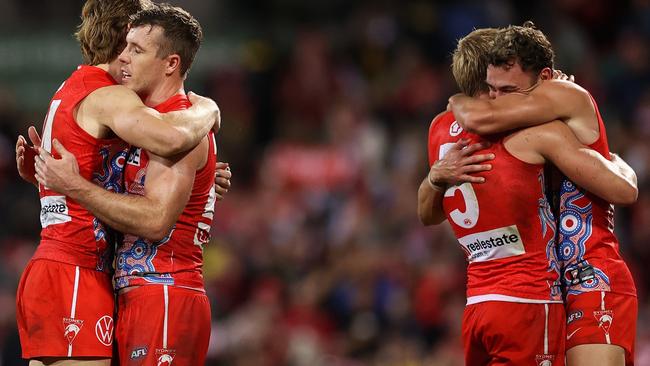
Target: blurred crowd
(317, 256)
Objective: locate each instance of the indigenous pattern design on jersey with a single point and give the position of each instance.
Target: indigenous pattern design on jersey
(588, 248)
(177, 259)
(71, 234)
(505, 226)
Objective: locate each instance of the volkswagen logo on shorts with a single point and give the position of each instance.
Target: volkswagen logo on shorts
(104, 330)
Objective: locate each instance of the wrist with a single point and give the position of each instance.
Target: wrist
(436, 186)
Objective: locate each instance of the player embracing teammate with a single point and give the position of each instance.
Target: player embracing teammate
(540, 120)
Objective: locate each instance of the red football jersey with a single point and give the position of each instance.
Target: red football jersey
(70, 233)
(505, 226)
(586, 237)
(177, 259)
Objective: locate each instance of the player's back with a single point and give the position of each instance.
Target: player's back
(70, 233)
(586, 236)
(505, 226)
(178, 258)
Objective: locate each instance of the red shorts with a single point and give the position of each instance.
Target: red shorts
(158, 324)
(602, 318)
(64, 310)
(517, 334)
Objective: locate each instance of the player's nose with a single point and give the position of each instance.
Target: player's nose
(123, 57)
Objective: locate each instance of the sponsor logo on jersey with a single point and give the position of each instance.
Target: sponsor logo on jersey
(493, 244)
(574, 316)
(54, 210)
(71, 327)
(544, 360)
(165, 356)
(455, 129)
(104, 330)
(138, 352)
(134, 157)
(604, 319)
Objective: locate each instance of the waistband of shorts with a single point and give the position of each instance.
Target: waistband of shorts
(147, 290)
(65, 253)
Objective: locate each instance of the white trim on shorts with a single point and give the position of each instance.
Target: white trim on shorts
(166, 296)
(497, 297)
(73, 308)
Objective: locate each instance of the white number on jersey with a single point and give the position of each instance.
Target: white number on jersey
(469, 218)
(47, 127)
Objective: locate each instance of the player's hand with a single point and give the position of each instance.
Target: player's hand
(560, 75)
(58, 175)
(25, 155)
(460, 164)
(222, 179)
(210, 105)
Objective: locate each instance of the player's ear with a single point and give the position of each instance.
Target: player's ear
(546, 74)
(173, 63)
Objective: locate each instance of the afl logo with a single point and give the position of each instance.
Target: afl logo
(104, 330)
(455, 129)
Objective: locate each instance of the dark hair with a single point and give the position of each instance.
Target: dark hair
(182, 33)
(102, 32)
(524, 44)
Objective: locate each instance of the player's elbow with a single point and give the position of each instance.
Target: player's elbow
(157, 230)
(627, 196)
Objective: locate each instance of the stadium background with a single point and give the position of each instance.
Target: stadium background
(317, 255)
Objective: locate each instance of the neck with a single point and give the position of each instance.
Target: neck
(113, 68)
(170, 86)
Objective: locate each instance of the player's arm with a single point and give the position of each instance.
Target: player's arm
(584, 166)
(549, 101)
(167, 189)
(121, 110)
(457, 166)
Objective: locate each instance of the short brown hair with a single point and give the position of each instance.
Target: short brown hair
(102, 32)
(470, 61)
(182, 33)
(524, 44)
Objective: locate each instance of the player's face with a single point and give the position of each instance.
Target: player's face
(508, 79)
(141, 68)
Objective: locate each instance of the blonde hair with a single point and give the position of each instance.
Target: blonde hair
(470, 60)
(102, 32)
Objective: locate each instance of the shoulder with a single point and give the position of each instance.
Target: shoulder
(563, 91)
(110, 96)
(442, 121)
(544, 134)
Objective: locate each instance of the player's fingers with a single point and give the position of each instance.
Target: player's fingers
(471, 179)
(474, 168)
(39, 166)
(474, 159)
(33, 136)
(469, 150)
(20, 141)
(222, 182)
(224, 173)
(572, 78)
(219, 197)
(460, 144)
(60, 148)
